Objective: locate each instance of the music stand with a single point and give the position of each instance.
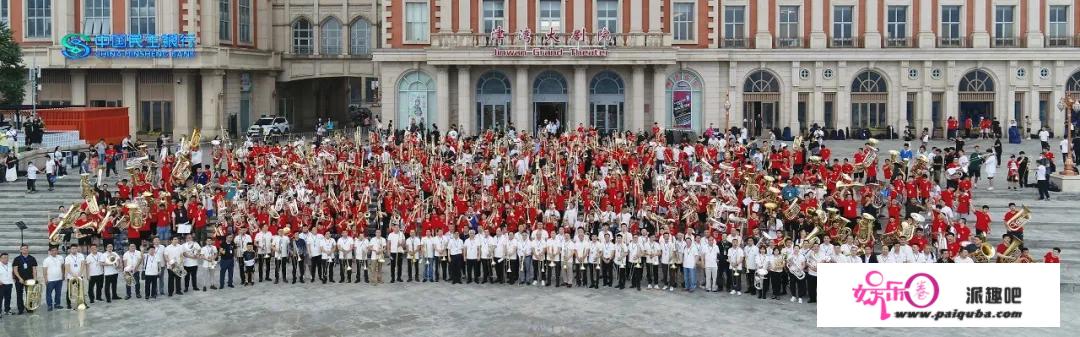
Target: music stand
(22, 227)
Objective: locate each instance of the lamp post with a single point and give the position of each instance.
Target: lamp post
(727, 115)
(1068, 105)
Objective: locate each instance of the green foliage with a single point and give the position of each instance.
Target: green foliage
(12, 71)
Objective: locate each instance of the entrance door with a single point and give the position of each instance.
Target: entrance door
(545, 112)
(493, 116)
(977, 111)
(607, 118)
(761, 117)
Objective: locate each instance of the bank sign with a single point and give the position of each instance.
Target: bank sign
(115, 46)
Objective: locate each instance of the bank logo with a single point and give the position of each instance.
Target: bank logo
(75, 46)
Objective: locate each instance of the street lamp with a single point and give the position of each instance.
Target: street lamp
(1068, 106)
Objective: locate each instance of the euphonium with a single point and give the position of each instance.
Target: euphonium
(1012, 252)
(129, 278)
(76, 293)
(866, 229)
(792, 211)
(32, 292)
(984, 253)
(67, 221)
(178, 269)
(88, 194)
(135, 215)
(1018, 220)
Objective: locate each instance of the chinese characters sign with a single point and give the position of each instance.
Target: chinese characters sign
(111, 46)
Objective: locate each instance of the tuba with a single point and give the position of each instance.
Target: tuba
(129, 278)
(792, 211)
(865, 234)
(1012, 252)
(32, 292)
(1018, 220)
(759, 278)
(136, 217)
(983, 253)
(77, 293)
(88, 194)
(67, 221)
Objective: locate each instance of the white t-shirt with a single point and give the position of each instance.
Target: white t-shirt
(54, 268)
(5, 274)
(31, 172)
(1044, 135)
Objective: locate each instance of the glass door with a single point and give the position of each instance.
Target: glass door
(492, 116)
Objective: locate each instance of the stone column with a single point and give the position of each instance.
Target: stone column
(1010, 110)
(522, 14)
(263, 95)
(763, 39)
(818, 115)
(579, 110)
(579, 15)
(951, 103)
(924, 117)
(464, 17)
(818, 40)
(522, 104)
(442, 98)
(130, 98)
(1032, 111)
(637, 99)
(655, 24)
(182, 103)
(660, 102)
(78, 87)
(842, 108)
(926, 30)
(464, 100)
(979, 37)
(1034, 27)
(872, 38)
(213, 96)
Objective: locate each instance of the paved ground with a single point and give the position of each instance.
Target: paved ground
(445, 310)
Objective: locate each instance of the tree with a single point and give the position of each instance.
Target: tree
(12, 71)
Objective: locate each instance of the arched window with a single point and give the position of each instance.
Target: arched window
(977, 81)
(761, 81)
(492, 101)
(493, 82)
(549, 83)
(302, 37)
(330, 37)
(868, 81)
(360, 37)
(1073, 84)
(606, 83)
(606, 102)
(869, 95)
(684, 96)
(416, 99)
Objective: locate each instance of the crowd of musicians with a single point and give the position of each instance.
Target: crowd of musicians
(721, 213)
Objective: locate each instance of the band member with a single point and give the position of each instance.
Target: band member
(345, 256)
(441, 256)
(812, 260)
(621, 250)
(377, 246)
(396, 242)
(241, 241)
(328, 249)
(581, 257)
(249, 258)
(264, 242)
(634, 256)
(539, 260)
(500, 256)
(111, 272)
(280, 244)
(95, 269)
(455, 248)
(133, 265)
(412, 251)
(361, 253)
(151, 270)
(427, 253)
(487, 248)
(566, 245)
(191, 263)
(315, 252)
(796, 265)
(227, 262)
(174, 257)
(736, 265)
(209, 256)
(472, 258)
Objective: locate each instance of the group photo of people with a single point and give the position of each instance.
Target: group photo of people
(715, 212)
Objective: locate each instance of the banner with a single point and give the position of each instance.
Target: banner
(939, 295)
(681, 109)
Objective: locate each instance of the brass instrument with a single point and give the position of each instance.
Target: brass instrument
(753, 191)
(67, 221)
(1018, 220)
(894, 155)
(177, 268)
(77, 293)
(797, 144)
(814, 235)
(135, 215)
(182, 169)
(1012, 252)
(129, 278)
(105, 220)
(759, 278)
(88, 194)
(907, 232)
(984, 253)
(865, 234)
(792, 211)
(32, 293)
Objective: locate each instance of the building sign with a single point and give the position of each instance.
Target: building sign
(111, 46)
(682, 108)
(552, 44)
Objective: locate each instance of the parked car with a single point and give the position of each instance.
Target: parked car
(269, 126)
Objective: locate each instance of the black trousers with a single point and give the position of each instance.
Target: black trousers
(5, 297)
(243, 275)
(298, 265)
(413, 269)
(150, 289)
(485, 270)
(281, 269)
(558, 273)
(94, 291)
(345, 270)
(652, 270)
(110, 288)
(19, 304)
(250, 271)
(623, 273)
(811, 287)
(174, 283)
(796, 286)
(593, 274)
(749, 274)
(1044, 189)
(326, 270)
(456, 263)
(514, 266)
(605, 272)
(734, 282)
(775, 283)
(395, 266)
(441, 265)
(192, 278)
(472, 271)
(539, 267)
(264, 267)
(316, 269)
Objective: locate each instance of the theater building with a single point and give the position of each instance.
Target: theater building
(688, 64)
(210, 64)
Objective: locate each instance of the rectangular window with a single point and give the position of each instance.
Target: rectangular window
(224, 20)
(96, 18)
(143, 17)
(1058, 26)
(950, 26)
(735, 26)
(842, 24)
(38, 18)
(789, 27)
(5, 15)
(897, 27)
(493, 15)
(416, 21)
(244, 25)
(682, 21)
(607, 15)
(550, 17)
(1004, 36)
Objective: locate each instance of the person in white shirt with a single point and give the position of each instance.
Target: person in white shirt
(736, 265)
(241, 240)
(132, 261)
(427, 253)
(111, 272)
(281, 247)
(964, 257)
(208, 254)
(95, 270)
(54, 277)
(454, 249)
(751, 257)
(796, 265)
(50, 173)
(7, 283)
(377, 247)
(690, 257)
(709, 256)
(472, 258)
(360, 253)
(327, 247)
(412, 252)
(396, 242)
(31, 177)
(173, 256)
(191, 263)
(151, 269)
(345, 245)
(75, 268)
(264, 242)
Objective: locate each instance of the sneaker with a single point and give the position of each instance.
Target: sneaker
(792, 299)
(800, 301)
(732, 292)
(991, 188)
(738, 293)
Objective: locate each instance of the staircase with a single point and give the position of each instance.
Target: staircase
(34, 210)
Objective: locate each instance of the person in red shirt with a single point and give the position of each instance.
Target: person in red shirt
(952, 124)
(1053, 256)
(963, 232)
(968, 125)
(982, 221)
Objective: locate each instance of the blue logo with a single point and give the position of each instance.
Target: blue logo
(75, 46)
